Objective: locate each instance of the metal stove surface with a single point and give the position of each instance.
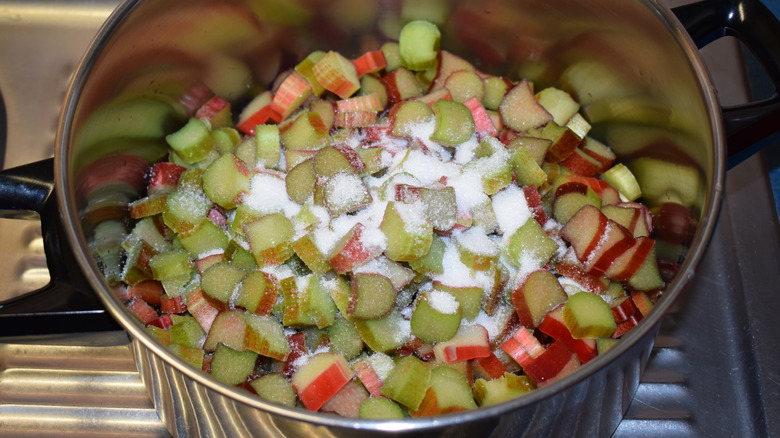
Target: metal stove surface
(714, 370)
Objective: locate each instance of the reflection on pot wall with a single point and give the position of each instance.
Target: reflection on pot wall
(620, 62)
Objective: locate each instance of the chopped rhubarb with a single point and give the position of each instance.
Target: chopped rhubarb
(470, 342)
(370, 62)
(320, 378)
(293, 91)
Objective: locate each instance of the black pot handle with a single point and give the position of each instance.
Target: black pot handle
(67, 303)
(752, 23)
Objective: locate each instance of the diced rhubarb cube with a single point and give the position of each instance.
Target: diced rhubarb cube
(142, 310)
(470, 342)
(489, 367)
(321, 378)
(554, 326)
(370, 62)
(483, 124)
(555, 363)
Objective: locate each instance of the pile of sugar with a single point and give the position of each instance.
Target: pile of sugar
(443, 302)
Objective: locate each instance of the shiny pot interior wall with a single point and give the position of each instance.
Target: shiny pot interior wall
(639, 80)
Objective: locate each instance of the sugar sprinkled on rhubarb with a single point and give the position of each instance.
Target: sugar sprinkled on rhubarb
(268, 194)
(443, 302)
(511, 210)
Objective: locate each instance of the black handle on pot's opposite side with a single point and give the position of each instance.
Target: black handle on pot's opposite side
(752, 23)
(66, 304)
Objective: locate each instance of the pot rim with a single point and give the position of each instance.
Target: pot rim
(71, 224)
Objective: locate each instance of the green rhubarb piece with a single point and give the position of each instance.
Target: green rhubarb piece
(477, 251)
(409, 234)
(648, 277)
(605, 344)
(451, 391)
(330, 161)
(246, 151)
(340, 291)
(436, 317)
(206, 237)
(370, 84)
(470, 298)
(171, 264)
(566, 205)
(504, 388)
(345, 339)
(345, 192)
(228, 328)
(275, 389)
(307, 301)
(440, 207)
(454, 123)
(300, 134)
(191, 179)
(431, 263)
(385, 334)
(220, 280)
(300, 181)
(409, 115)
(240, 257)
(495, 90)
(265, 336)
(418, 45)
(185, 210)
(525, 168)
(232, 367)
(225, 139)
(192, 142)
(145, 230)
(392, 55)
(269, 141)
(372, 158)
(305, 68)
(251, 291)
(587, 315)
(188, 332)
(192, 355)
(407, 382)
(536, 147)
(380, 408)
(270, 239)
(530, 245)
(307, 251)
(373, 296)
(621, 178)
(225, 180)
(464, 84)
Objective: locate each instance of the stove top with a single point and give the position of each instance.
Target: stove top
(713, 371)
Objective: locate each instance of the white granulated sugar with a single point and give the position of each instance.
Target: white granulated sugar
(413, 216)
(477, 242)
(210, 253)
(455, 273)
(374, 237)
(404, 330)
(570, 286)
(443, 302)
(268, 194)
(427, 168)
(381, 363)
(422, 131)
(375, 266)
(511, 209)
(468, 191)
(348, 190)
(493, 324)
(465, 151)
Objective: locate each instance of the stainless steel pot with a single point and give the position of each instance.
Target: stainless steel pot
(630, 62)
